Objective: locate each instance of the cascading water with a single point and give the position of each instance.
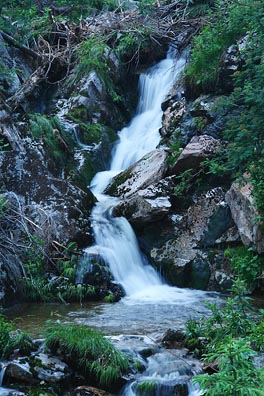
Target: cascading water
(115, 240)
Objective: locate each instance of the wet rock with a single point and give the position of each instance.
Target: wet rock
(148, 205)
(89, 391)
(19, 370)
(172, 337)
(245, 215)
(94, 271)
(150, 169)
(135, 345)
(199, 148)
(11, 392)
(50, 369)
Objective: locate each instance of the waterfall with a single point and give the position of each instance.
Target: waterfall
(115, 239)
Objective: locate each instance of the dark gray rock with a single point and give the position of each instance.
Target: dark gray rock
(177, 247)
(50, 369)
(19, 370)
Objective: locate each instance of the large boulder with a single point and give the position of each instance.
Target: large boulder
(148, 170)
(57, 208)
(148, 205)
(245, 215)
(180, 246)
(199, 148)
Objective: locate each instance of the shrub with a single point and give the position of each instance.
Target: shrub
(246, 264)
(88, 351)
(236, 375)
(11, 339)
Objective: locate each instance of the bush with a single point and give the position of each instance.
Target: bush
(237, 375)
(11, 339)
(89, 352)
(246, 264)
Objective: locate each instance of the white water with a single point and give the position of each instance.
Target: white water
(115, 239)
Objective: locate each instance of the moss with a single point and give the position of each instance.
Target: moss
(118, 180)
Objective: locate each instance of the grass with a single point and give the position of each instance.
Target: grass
(88, 352)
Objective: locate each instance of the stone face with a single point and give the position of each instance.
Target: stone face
(50, 369)
(19, 371)
(58, 208)
(245, 215)
(199, 148)
(179, 249)
(150, 169)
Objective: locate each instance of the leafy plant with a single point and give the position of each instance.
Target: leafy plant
(89, 352)
(246, 264)
(237, 375)
(11, 339)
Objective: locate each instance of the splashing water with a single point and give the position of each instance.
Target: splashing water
(115, 239)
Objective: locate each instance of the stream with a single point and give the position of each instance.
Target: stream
(150, 306)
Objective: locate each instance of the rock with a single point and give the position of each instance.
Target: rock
(57, 208)
(232, 61)
(172, 117)
(19, 370)
(150, 169)
(245, 215)
(180, 251)
(11, 392)
(135, 345)
(199, 148)
(89, 391)
(172, 337)
(50, 369)
(92, 270)
(140, 210)
(223, 280)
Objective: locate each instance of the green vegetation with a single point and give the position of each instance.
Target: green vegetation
(230, 22)
(146, 388)
(246, 264)
(229, 339)
(11, 340)
(38, 286)
(236, 375)
(58, 143)
(88, 352)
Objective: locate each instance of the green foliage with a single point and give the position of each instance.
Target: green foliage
(246, 264)
(230, 21)
(11, 339)
(237, 375)
(37, 286)
(58, 143)
(88, 351)
(146, 388)
(134, 42)
(110, 298)
(184, 182)
(228, 337)
(22, 20)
